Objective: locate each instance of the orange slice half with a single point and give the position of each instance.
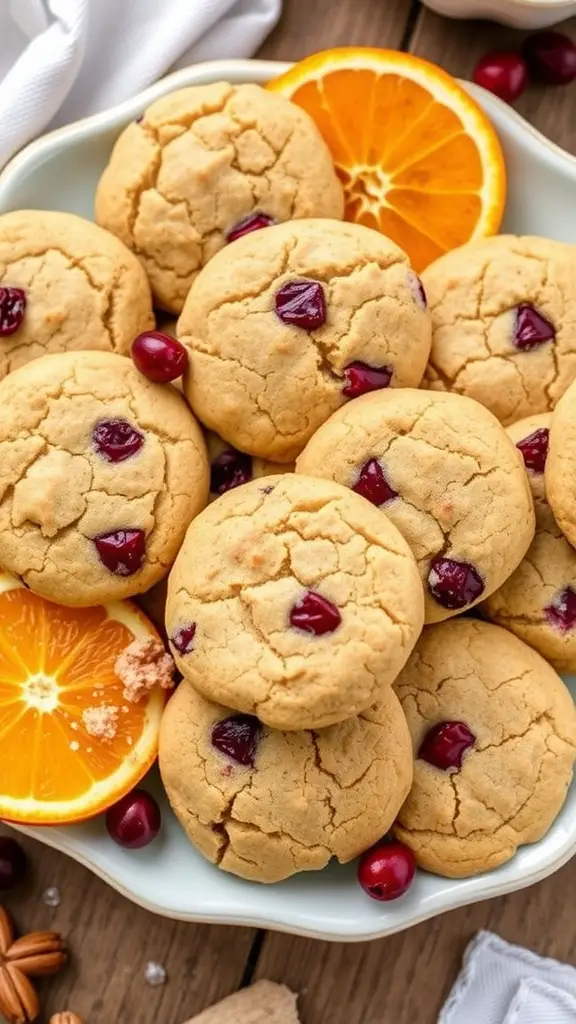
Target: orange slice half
(56, 663)
(418, 158)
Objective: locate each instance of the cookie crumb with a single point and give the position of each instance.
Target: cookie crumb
(155, 974)
(51, 896)
(101, 722)
(143, 665)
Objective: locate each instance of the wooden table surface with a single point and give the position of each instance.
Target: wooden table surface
(400, 980)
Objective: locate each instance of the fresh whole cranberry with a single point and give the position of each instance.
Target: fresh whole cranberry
(12, 309)
(561, 612)
(534, 449)
(253, 222)
(301, 303)
(237, 737)
(504, 74)
(551, 57)
(121, 551)
(373, 485)
(445, 744)
(159, 357)
(315, 614)
(386, 871)
(531, 328)
(116, 440)
(454, 584)
(13, 863)
(134, 821)
(229, 469)
(183, 638)
(361, 378)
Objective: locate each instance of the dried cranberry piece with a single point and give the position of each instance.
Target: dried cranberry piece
(301, 303)
(561, 612)
(373, 485)
(237, 737)
(116, 440)
(361, 378)
(445, 744)
(229, 469)
(121, 551)
(531, 328)
(12, 309)
(253, 222)
(183, 638)
(454, 584)
(534, 449)
(315, 614)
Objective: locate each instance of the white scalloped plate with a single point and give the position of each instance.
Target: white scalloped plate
(60, 172)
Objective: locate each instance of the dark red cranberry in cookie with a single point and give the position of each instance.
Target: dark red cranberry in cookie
(551, 57)
(386, 871)
(301, 303)
(121, 551)
(183, 638)
(159, 357)
(504, 74)
(373, 485)
(229, 469)
(134, 821)
(116, 440)
(534, 449)
(361, 378)
(445, 744)
(237, 737)
(531, 328)
(315, 614)
(454, 584)
(253, 222)
(12, 309)
(561, 612)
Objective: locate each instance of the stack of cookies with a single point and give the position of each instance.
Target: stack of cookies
(359, 479)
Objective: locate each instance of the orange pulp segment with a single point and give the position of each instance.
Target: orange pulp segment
(418, 158)
(55, 663)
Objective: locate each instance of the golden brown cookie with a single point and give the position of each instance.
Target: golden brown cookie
(204, 165)
(494, 735)
(65, 284)
(504, 323)
(443, 470)
(288, 324)
(265, 804)
(295, 600)
(100, 473)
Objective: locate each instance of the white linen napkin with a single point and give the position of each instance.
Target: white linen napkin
(505, 984)
(64, 59)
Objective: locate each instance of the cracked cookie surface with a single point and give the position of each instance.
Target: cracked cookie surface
(84, 289)
(265, 385)
(443, 470)
(59, 491)
(307, 797)
(560, 472)
(478, 296)
(242, 579)
(513, 780)
(197, 163)
(538, 601)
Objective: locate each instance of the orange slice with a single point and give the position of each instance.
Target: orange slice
(55, 663)
(418, 158)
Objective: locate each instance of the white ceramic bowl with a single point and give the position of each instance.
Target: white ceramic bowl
(60, 172)
(529, 14)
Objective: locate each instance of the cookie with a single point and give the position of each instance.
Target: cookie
(538, 601)
(262, 1003)
(265, 804)
(504, 323)
(65, 284)
(100, 473)
(560, 472)
(231, 468)
(286, 325)
(205, 165)
(443, 470)
(494, 736)
(293, 600)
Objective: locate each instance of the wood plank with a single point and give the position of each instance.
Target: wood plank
(406, 977)
(310, 25)
(111, 941)
(457, 45)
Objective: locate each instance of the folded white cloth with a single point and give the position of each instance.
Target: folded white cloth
(64, 59)
(504, 984)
